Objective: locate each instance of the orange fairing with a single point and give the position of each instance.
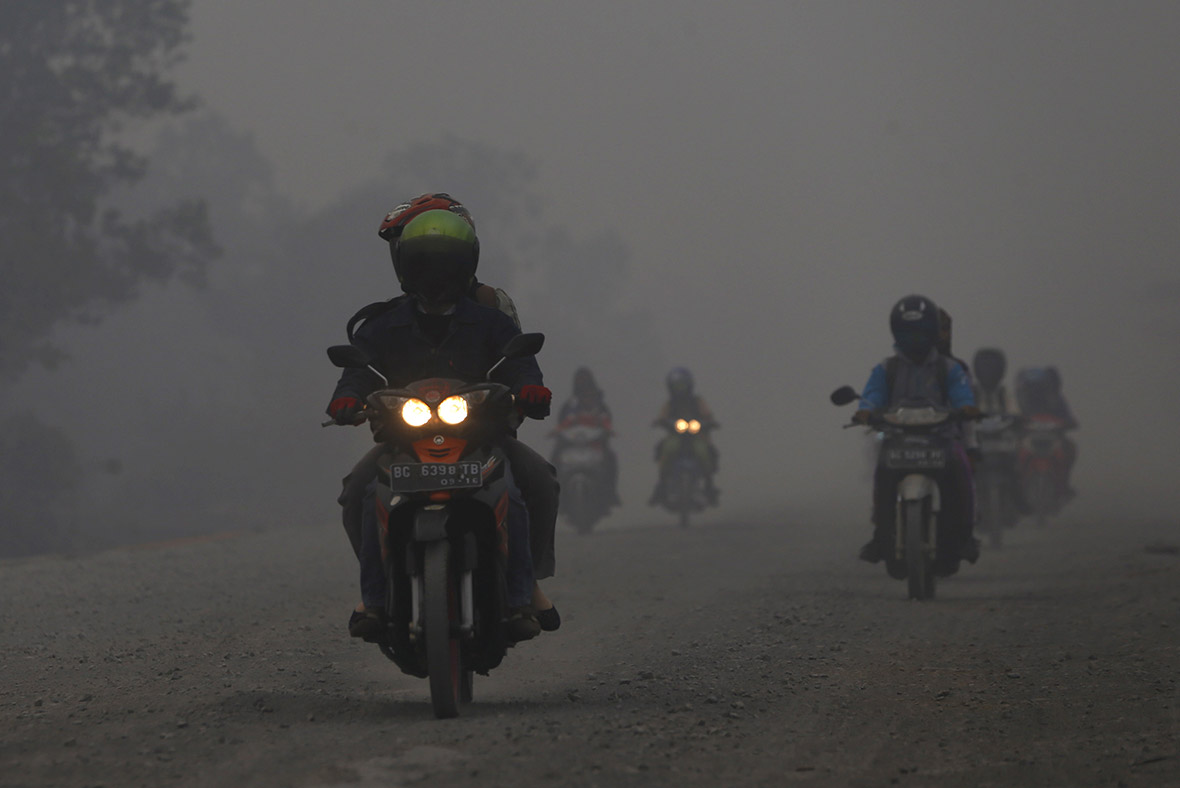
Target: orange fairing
(440, 448)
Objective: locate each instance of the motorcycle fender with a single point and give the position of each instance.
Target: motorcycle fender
(430, 523)
(915, 487)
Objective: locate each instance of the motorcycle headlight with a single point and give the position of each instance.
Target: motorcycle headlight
(415, 412)
(681, 425)
(453, 410)
(694, 426)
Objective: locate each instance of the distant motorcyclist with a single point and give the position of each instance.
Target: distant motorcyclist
(683, 403)
(1038, 393)
(438, 331)
(919, 371)
(587, 407)
(989, 365)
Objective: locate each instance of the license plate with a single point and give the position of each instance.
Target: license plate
(425, 476)
(904, 458)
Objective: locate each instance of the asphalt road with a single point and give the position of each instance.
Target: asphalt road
(748, 650)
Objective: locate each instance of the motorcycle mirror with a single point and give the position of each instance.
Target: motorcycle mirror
(348, 357)
(523, 345)
(844, 395)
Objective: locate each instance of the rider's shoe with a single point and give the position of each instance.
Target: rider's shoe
(711, 495)
(367, 623)
(872, 552)
(549, 619)
(657, 495)
(969, 550)
(522, 624)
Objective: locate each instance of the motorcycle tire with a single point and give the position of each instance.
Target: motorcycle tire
(443, 659)
(996, 517)
(920, 572)
(684, 496)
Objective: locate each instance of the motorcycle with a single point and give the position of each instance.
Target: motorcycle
(581, 469)
(442, 501)
(1041, 463)
(682, 473)
(996, 479)
(912, 448)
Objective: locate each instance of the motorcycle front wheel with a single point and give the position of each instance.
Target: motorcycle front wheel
(996, 516)
(920, 577)
(687, 487)
(443, 661)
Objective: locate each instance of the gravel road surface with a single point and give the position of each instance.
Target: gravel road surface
(745, 651)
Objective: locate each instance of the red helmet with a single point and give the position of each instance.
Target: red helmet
(399, 217)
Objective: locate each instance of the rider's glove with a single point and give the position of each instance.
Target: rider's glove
(535, 400)
(862, 416)
(346, 410)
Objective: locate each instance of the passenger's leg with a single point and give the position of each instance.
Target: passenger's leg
(368, 620)
(522, 621)
(352, 497)
(537, 481)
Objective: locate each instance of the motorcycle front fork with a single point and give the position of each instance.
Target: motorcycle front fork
(466, 606)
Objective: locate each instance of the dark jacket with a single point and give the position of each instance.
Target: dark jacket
(404, 353)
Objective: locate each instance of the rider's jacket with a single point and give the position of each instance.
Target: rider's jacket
(993, 402)
(693, 407)
(918, 381)
(409, 346)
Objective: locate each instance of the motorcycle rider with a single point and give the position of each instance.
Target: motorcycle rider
(684, 404)
(989, 365)
(1038, 392)
(536, 479)
(919, 371)
(438, 331)
(588, 407)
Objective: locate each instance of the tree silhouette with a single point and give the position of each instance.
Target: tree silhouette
(76, 73)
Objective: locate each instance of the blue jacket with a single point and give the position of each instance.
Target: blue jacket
(918, 381)
(400, 349)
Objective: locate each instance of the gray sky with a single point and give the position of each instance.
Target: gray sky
(782, 172)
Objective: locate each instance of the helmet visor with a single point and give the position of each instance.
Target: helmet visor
(437, 270)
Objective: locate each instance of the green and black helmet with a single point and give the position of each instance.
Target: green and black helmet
(435, 257)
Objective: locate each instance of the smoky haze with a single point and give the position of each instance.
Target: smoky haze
(744, 190)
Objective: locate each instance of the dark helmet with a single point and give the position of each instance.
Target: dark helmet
(679, 382)
(435, 257)
(914, 324)
(584, 383)
(989, 365)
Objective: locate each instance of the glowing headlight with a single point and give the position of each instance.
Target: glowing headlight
(694, 426)
(681, 425)
(415, 412)
(453, 410)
